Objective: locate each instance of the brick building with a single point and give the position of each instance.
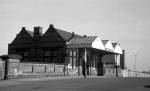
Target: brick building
(61, 47)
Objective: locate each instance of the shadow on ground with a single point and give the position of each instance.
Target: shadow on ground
(147, 86)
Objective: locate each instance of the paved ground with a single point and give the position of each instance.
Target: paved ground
(77, 84)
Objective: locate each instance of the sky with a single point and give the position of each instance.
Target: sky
(123, 21)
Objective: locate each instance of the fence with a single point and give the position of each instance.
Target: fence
(130, 73)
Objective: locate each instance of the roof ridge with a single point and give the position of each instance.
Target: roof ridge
(84, 36)
(61, 30)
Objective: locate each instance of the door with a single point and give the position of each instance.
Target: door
(100, 68)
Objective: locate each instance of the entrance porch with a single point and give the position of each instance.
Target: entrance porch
(85, 56)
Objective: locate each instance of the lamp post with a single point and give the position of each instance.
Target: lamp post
(85, 62)
(135, 57)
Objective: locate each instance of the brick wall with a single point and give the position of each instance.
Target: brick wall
(17, 68)
(34, 68)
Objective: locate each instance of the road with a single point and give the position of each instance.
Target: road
(77, 84)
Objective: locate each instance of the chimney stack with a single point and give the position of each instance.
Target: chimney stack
(73, 34)
(37, 32)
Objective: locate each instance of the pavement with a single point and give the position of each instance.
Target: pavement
(76, 83)
(19, 81)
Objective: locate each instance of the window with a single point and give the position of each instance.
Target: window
(47, 56)
(74, 53)
(70, 53)
(73, 58)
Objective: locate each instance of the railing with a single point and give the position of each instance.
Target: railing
(130, 73)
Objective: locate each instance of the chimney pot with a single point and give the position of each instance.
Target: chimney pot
(84, 36)
(23, 28)
(51, 26)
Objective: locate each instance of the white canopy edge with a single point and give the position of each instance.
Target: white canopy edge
(97, 44)
(118, 49)
(109, 46)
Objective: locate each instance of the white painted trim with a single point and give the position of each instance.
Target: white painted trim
(118, 49)
(97, 43)
(109, 46)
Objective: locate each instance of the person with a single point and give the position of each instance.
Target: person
(83, 68)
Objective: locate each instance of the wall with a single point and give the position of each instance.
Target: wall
(2, 68)
(110, 70)
(19, 69)
(109, 58)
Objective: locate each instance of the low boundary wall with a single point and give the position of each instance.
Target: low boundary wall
(23, 69)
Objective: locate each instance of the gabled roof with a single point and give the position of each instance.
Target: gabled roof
(108, 45)
(85, 42)
(63, 34)
(117, 48)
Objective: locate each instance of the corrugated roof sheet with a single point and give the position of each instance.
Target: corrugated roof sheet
(79, 42)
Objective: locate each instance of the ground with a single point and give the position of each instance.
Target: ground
(77, 84)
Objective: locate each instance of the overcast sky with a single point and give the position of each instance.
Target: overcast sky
(123, 21)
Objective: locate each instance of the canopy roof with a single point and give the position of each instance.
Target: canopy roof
(93, 42)
(86, 42)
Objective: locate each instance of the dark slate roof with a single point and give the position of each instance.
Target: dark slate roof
(30, 33)
(79, 42)
(65, 35)
(104, 41)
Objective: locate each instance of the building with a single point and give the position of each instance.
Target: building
(81, 54)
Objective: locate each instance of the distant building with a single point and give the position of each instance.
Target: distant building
(62, 47)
